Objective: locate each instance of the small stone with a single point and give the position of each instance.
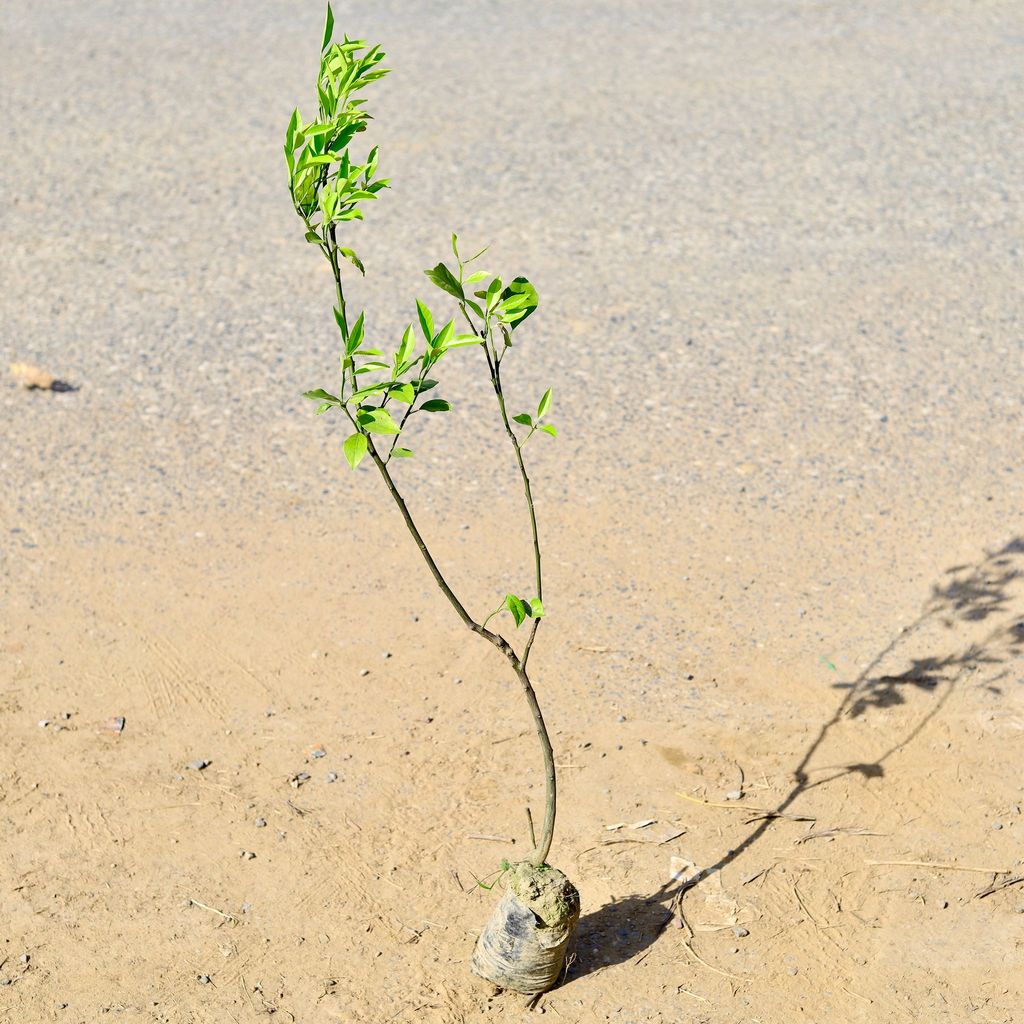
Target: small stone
(740, 932)
(332, 777)
(43, 723)
(735, 949)
(792, 972)
(198, 764)
(270, 712)
(203, 979)
(997, 825)
(317, 751)
(458, 681)
(734, 794)
(246, 907)
(621, 718)
(65, 715)
(386, 655)
(24, 958)
(364, 671)
(260, 822)
(6, 981)
(943, 904)
(247, 854)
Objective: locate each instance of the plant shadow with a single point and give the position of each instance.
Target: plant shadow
(625, 928)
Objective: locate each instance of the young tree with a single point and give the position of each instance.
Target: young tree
(523, 945)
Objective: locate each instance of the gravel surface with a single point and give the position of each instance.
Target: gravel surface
(778, 248)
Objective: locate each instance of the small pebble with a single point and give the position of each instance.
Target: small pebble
(332, 777)
(621, 718)
(943, 904)
(734, 794)
(6, 981)
(997, 825)
(198, 764)
(261, 823)
(318, 752)
(735, 949)
(386, 655)
(246, 907)
(457, 681)
(24, 958)
(65, 715)
(792, 972)
(270, 712)
(247, 854)
(203, 979)
(740, 932)
(43, 723)
(364, 671)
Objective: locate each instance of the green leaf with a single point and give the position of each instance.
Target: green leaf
(545, 404)
(536, 608)
(405, 350)
(402, 453)
(426, 321)
(403, 393)
(436, 405)
(475, 307)
(525, 418)
(350, 255)
(355, 449)
(549, 428)
(446, 280)
(520, 286)
(321, 409)
(491, 295)
(516, 607)
(319, 395)
(444, 336)
(477, 275)
(328, 31)
(371, 389)
(294, 123)
(355, 336)
(377, 421)
(455, 245)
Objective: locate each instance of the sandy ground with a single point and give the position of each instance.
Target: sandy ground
(778, 247)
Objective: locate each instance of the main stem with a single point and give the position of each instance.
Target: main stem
(540, 853)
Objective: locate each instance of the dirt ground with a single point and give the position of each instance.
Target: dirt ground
(889, 761)
(252, 767)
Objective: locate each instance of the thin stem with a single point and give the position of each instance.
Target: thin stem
(540, 853)
(539, 578)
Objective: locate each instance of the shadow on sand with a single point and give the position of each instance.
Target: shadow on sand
(968, 593)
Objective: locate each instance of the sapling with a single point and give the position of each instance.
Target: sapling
(523, 945)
